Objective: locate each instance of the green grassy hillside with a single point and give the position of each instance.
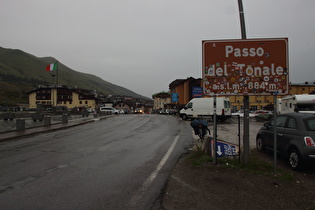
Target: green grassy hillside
(20, 72)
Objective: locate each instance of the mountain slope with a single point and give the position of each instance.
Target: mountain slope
(20, 72)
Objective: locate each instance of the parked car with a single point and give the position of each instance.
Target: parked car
(109, 110)
(90, 110)
(241, 114)
(258, 112)
(295, 138)
(171, 111)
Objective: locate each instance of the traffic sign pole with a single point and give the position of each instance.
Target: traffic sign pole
(246, 97)
(275, 133)
(215, 128)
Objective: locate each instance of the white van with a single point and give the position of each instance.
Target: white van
(203, 108)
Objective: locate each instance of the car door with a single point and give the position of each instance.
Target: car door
(268, 133)
(287, 134)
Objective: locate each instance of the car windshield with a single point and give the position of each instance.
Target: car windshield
(310, 124)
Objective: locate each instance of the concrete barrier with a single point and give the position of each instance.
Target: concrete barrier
(64, 118)
(20, 124)
(47, 120)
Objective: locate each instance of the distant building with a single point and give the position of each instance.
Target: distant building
(52, 95)
(302, 88)
(184, 90)
(160, 100)
(148, 107)
(126, 106)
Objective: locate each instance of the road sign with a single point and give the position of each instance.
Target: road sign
(174, 97)
(245, 67)
(226, 149)
(197, 92)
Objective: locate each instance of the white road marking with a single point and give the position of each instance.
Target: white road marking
(153, 175)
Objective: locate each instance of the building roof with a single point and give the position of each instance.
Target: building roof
(303, 84)
(162, 95)
(86, 93)
(180, 81)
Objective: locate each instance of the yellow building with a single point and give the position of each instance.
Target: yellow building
(50, 96)
(259, 102)
(160, 100)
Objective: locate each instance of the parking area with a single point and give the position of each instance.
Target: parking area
(229, 130)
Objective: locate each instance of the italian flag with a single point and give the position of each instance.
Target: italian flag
(52, 67)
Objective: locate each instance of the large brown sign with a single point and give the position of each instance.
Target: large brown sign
(245, 67)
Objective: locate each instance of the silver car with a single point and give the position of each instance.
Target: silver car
(295, 138)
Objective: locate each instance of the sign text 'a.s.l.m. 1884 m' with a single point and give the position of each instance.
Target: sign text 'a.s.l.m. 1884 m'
(245, 67)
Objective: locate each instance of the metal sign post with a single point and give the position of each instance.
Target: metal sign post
(246, 97)
(215, 129)
(275, 133)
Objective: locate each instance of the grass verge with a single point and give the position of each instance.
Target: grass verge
(255, 166)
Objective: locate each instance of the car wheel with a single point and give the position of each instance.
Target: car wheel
(295, 160)
(184, 117)
(259, 144)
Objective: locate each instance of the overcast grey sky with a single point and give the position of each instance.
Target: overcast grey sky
(144, 45)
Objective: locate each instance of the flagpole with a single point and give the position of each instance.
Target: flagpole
(57, 73)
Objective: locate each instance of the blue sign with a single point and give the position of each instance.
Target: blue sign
(224, 149)
(174, 97)
(197, 92)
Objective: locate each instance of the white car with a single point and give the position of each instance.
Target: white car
(109, 110)
(241, 114)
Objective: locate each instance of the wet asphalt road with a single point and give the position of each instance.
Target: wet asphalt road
(122, 162)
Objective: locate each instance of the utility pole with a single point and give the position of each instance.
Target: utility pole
(246, 97)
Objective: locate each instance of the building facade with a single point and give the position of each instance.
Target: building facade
(161, 100)
(184, 89)
(50, 96)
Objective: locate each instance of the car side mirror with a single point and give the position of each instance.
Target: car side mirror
(185, 108)
(267, 125)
